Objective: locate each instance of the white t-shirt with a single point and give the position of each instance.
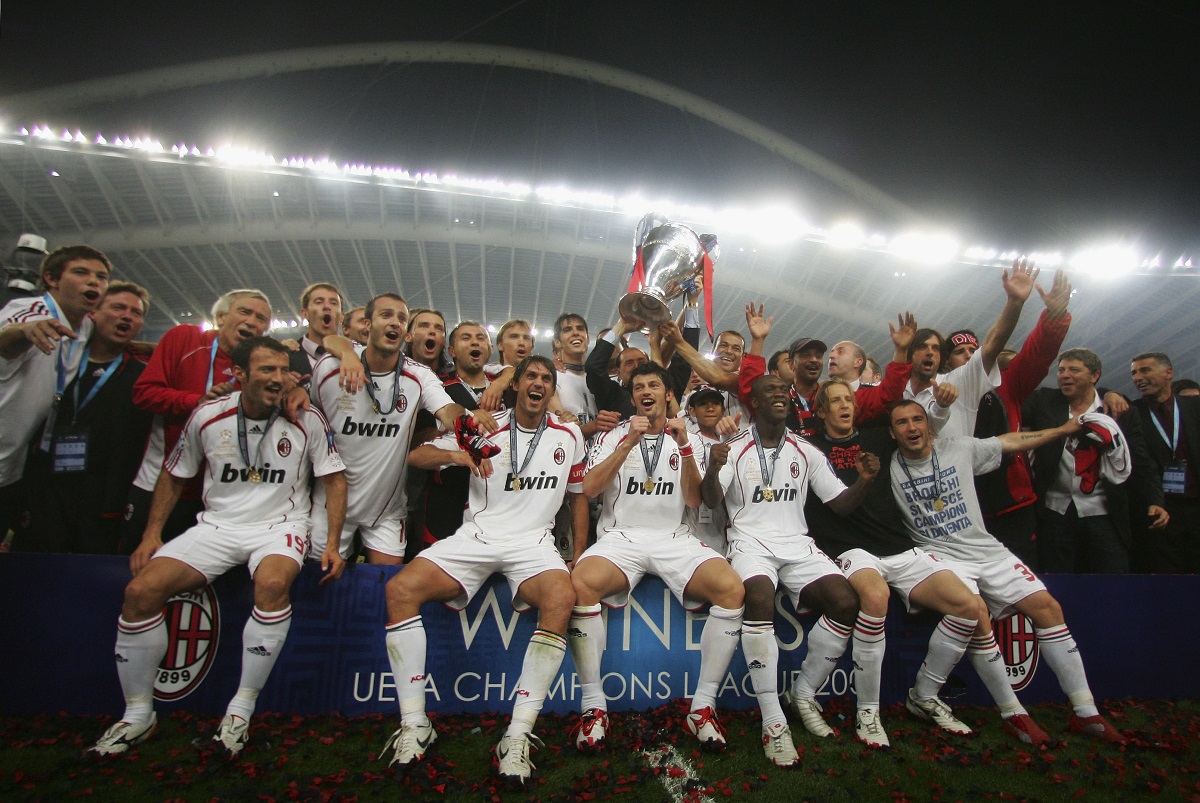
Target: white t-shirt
(778, 524)
(29, 382)
(287, 456)
(374, 446)
(505, 508)
(956, 531)
(576, 398)
(627, 507)
(706, 524)
(972, 383)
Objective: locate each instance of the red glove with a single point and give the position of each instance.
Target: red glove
(471, 440)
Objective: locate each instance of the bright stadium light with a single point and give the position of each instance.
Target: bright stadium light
(1106, 261)
(925, 248)
(845, 235)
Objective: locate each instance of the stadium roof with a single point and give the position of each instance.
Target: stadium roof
(189, 226)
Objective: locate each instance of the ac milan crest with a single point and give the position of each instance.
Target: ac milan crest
(1018, 644)
(401, 403)
(559, 456)
(674, 461)
(284, 446)
(193, 628)
(795, 469)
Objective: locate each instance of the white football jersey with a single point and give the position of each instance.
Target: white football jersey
(505, 507)
(289, 456)
(776, 523)
(374, 446)
(575, 397)
(706, 524)
(628, 505)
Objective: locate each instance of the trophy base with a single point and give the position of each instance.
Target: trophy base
(645, 307)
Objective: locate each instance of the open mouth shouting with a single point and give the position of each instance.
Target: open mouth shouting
(392, 336)
(92, 296)
(124, 328)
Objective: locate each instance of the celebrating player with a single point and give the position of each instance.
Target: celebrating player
(514, 496)
(257, 466)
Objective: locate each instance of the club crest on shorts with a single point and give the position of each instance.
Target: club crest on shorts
(193, 628)
(559, 456)
(674, 461)
(284, 446)
(1018, 644)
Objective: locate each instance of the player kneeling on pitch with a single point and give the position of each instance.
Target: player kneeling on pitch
(934, 485)
(256, 494)
(520, 474)
(646, 469)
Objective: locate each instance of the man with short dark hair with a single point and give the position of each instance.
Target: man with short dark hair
(934, 489)
(41, 347)
(763, 475)
(256, 468)
(646, 471)
(1082, 484)
(76, 492)
(514, 497)
(1171, 425)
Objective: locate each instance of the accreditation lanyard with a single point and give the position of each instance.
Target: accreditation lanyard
(512, 447)
(1172, 441)
(91, 394)
(212, 364)
(395, 390)
(934, 490)
(768, 469)
(66, 352)
(244, 442)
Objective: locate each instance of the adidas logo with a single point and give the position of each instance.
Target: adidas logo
(756, 664)
(121, 659)
(260, 651)
(575, 632)
(256, 430)
(375, 385)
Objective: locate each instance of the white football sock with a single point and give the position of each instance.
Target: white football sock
(718, 642)
(586, 635)
(406, 647)
(1062, 653)
(140, 648)
(989, 665)
(262, 639)
(762, 659)
(869, 645)
(826, 644)
(946, 647)
(543, 657)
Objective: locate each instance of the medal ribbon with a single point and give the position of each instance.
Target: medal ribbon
(370, 387)
(767, 472)
(934, 491)
(650, 459)
(533, 444)
(243, 440)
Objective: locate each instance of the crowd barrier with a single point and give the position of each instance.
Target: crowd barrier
(59, 614)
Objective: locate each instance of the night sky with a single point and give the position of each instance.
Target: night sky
(1033, 126)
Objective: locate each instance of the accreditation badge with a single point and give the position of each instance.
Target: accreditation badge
(1175, 477)
(68, 452)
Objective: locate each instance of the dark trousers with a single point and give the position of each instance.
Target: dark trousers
(1070, 544)
(1015, 529)
(1175, 549)
(137, 513)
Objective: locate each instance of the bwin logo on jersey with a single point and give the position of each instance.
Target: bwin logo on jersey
(194, 629)
(381, 430)
(785, 494)
(514, 483)
(275, 476)
(1017, 639)
(659, 488)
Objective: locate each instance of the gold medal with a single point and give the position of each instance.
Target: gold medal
(939, 504)
(769, 494)
(648, 486)
(253, 475)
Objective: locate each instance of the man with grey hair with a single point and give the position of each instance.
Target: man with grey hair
(190, 366)
(1083, 500)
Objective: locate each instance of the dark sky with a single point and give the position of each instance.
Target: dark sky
(1039, 125)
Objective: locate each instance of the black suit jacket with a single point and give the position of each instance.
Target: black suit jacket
(1159, 451)
(1127, 502)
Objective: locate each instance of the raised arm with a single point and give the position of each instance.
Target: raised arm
(704, 367)
(1018, 284)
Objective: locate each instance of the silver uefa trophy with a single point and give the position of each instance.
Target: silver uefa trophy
(671, 258)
